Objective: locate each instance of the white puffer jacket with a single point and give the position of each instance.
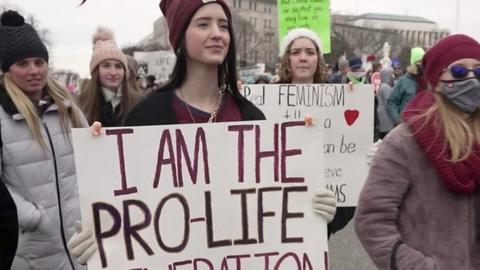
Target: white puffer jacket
(43, 185)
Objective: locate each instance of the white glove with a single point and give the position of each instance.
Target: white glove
(325, 204)
(82, 244)
(372, 151)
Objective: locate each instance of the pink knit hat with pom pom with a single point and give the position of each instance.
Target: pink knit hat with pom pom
(105, 48)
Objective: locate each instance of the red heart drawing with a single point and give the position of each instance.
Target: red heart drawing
(351, 116)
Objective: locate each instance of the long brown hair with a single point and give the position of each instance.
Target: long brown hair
(285, 71)
(91, 98)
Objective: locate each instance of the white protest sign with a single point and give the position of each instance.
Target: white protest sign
(158, 63)
(347, 117)
(221, 196)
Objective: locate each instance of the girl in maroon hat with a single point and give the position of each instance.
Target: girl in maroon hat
(203, 87)
(203, 82)
(420, 206)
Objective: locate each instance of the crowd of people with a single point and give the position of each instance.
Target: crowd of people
(419, 208)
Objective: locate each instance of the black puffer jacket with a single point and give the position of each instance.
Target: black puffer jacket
(8, 228)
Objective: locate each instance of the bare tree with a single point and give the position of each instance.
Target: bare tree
(45, 34)
(354, 40)
(248, 40)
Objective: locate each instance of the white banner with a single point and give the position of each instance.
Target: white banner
(346, 116)
(221, 196)
(159, 63)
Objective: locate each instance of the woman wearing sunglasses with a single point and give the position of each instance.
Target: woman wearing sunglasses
(420, 206)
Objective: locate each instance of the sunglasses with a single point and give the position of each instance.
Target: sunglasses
(461, 72)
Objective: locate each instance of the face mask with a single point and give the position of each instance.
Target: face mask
(358, 74)
(464, 94)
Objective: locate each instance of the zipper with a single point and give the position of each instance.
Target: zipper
(58, 191)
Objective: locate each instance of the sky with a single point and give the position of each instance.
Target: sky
(71, 27)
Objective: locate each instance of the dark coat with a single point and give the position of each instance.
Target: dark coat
(157, 109)
(109, 116)
(8, 228)
(407, 219)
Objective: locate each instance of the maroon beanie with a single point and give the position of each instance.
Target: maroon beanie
(179, 13)
(447, 51)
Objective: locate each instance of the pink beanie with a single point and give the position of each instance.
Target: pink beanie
(105, 48)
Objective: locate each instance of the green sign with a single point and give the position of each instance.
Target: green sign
(312, 14)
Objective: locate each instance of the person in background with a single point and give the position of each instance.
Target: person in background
(262, 79)
(302, 58)
(132, 77)
(141, 83)
(329, 70)
(151, 86)
(108, 96)
(386, 88)
(37, 164)
(376, 67)
(407, 86)
(341, 75)
(397, 70)
(357, 74)
(419, 209)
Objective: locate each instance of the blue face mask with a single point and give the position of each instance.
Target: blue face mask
(464, 94)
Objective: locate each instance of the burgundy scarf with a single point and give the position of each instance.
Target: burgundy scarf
(461, 177)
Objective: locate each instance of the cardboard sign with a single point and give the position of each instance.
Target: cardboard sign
(159, 63)
(312, 14)
(220, 196)
(346, 116)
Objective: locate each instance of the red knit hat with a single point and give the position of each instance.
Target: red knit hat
(179, 13)
(447, 51)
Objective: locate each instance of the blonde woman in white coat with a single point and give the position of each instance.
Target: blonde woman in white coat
(37, 166)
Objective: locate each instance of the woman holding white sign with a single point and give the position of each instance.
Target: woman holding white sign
(302, 58)
(419, 208)
(37, 165)
(203, 88)
(302, 62)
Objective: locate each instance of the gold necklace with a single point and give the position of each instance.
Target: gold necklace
(213, 115)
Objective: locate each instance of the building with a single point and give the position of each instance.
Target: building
(366, 34)
(160, 33)
(255, 24)
(256, 32)
(255, 27)
(414, 30)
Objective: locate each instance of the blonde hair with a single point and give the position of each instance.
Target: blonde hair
(285, 71)
(72, 117)
(460, 133)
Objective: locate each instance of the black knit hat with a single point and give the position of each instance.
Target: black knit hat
(18, 40)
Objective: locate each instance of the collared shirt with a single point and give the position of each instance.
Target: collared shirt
(113, 97)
